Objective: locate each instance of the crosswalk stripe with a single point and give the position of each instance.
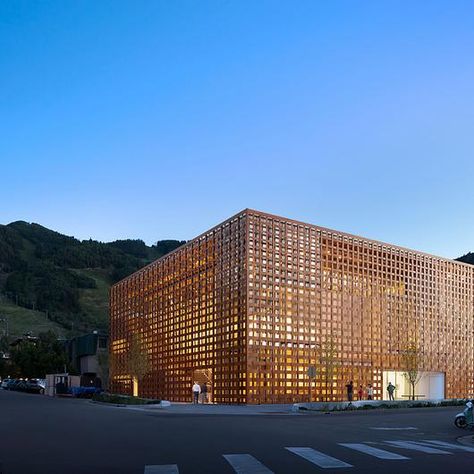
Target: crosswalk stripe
(444, 444)
(318, 458)
(413, 445)
(162, 469)
(246, 464)
(371, 451)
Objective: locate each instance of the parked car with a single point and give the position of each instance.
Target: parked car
(5, 383)
(19, 385)
(10, 384)
(24, 385)
(34, 386)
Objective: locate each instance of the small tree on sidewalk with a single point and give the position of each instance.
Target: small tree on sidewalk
(329, 363)
(412, 362)
(138, 364)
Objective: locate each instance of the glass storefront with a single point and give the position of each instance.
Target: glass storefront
(429, 385)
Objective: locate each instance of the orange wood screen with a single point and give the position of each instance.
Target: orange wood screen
(259, 298)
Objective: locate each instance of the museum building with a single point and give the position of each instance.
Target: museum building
(266, 309)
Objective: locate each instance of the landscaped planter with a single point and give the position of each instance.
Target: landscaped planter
(370, 404)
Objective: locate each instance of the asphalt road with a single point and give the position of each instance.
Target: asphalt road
(45, 435)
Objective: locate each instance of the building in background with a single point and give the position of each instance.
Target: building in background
(270, 310)
(88, 356)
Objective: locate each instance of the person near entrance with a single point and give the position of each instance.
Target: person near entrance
(350, 390)
(196, 392)
(390, 390)
(204, 393)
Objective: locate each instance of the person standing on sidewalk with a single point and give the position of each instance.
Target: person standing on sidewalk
(196, 392)
(370, 392)
(390, 390)
(350, 390)
(360, 392)
(204, 393)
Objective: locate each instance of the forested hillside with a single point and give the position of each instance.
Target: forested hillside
(468, 258)
(52, 281)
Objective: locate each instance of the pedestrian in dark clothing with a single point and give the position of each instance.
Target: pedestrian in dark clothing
(390, 390)
(204, 393)
(350, 390)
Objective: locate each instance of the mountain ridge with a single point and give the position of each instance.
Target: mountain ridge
(62, 281)
(466, 258)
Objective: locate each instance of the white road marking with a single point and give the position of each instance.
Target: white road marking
(413, 445)
(246, 464)
(444, 444)
(371, 451)
(382, 428)
(162, 469)
(318, 458)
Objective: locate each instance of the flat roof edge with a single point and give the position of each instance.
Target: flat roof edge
(181, 247)
(297, 222)
(346, 234)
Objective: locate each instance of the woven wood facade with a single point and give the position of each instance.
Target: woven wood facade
(259, 298)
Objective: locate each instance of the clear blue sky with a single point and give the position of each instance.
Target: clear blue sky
(158, 119)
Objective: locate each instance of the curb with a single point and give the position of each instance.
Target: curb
(118, 405)
(162, 404)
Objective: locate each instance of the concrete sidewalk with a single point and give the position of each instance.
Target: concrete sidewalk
(211, 409)
(295, 409)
